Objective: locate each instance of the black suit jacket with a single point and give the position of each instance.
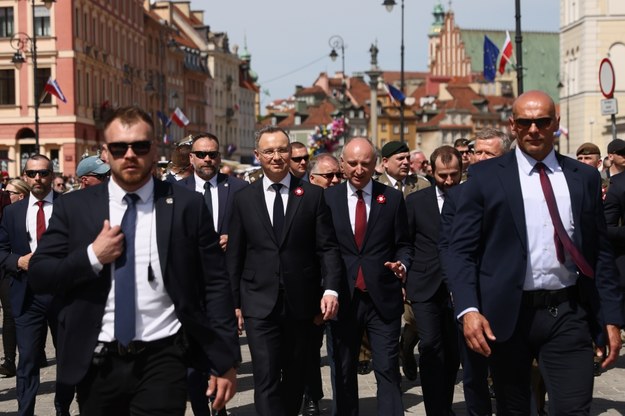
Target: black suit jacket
(488, 251)
(227, 186)
(425, 275)
(614, 206)
(15, 243)
(192, 266)
(307, 251)
(386, 239)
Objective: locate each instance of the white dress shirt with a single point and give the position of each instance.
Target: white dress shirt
(352, 200)
(270, 193)
(199, 187)
(155, 314)
(31, 217)
(543, 270)
(440, 199)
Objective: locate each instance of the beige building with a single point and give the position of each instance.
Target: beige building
(590, 31)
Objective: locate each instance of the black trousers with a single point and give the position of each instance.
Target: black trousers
(9, 342)
(151, 383)
(313, 386)
(559, 338)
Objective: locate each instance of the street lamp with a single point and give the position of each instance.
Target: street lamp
(389, 4)
(20, 41)
(337, 42)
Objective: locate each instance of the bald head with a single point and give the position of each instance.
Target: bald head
(534, 123)
(358, 161)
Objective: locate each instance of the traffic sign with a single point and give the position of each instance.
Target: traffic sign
(607, 82)
(609, 106)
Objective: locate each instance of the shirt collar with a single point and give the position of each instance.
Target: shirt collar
(286, 181)
(367, 190)
(117, 193)
(439, 193)
(200, 181)
(48, 198)
(526, 162)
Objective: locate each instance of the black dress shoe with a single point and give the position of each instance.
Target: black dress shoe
(7, 368)
(364, 367)
(310, 408)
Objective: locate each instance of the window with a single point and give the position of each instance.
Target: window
(6, 22)
(7, 86)
(43, 74)
(42, 21)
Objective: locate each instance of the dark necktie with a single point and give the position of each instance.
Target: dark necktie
(562, 240)
(400, 186)
(41, 220)
(125, 276)
(360, 228)
(208, 198)
(278, 211)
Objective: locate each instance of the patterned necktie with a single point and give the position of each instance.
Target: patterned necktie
(360, 228)
(278, 211)
(125, 276)
(208, 198)
(41, 220)
(561, 237)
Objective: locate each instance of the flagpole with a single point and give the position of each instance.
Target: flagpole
(519, 48)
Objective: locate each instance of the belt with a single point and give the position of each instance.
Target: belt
(137, 347)
(543, 299)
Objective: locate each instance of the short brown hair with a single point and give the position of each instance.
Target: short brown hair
(269, 129)
(128, 116)
(446, 154)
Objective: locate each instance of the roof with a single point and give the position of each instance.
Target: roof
(541, 56)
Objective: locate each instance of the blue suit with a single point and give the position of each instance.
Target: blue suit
(486, 267)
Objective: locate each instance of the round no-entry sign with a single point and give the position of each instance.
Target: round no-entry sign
(607, 81)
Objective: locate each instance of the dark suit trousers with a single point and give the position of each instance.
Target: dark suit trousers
(277, 345)
(361, 315)
(474, 380)
(562, 344)
(313, 388)
(9, 342)
(438, 352)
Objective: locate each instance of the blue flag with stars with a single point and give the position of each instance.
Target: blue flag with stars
(491, 53)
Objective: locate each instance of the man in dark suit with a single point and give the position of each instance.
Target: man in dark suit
(23, 223)
(138, 288)
(530, 267)
(218, 191)
(426, 289)
(280, 245)
(372, 230)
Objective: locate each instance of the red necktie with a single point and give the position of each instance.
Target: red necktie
(562, 240)
(359, 235)
(41, 220)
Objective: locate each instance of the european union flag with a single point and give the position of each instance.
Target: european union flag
(491, 53)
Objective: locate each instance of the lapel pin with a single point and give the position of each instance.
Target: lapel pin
(298, 191)
(381, 199)
(169, 201)
(225, 185)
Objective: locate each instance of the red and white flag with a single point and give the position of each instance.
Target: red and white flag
(506, 53)
(52, 87)
(179, 118)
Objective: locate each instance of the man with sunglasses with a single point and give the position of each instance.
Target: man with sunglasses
(22, 226)
(299, 160)
(92, 171)
(464, 147)
(616, 156)
(325, 171)
(530, 268)
(143, 280)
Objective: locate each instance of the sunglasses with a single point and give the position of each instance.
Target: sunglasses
(330, 176)
(100, 177)
(298, 159)
(526, 123)
(119, 149)
(43, 173)
(202, 155)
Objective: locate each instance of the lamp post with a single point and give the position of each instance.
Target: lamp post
(337, 42)
(20, 41)
(519, 47)
(389, 4)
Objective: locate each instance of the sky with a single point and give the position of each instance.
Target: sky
(289, 39)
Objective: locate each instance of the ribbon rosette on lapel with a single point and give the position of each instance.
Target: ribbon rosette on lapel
(381, 199)
(298, 191)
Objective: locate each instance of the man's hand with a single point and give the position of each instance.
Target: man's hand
(223, 388)
(22, 262)
(398, 268)
(240, 322)
(475, 326)
(329, 307)
(614, 346)
(223, 241)
(109, 244)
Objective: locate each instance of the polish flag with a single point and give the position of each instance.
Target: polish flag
(52, 87)
(179, 118)
(506, 54)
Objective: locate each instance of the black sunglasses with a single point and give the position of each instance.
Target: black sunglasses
(331, 175)
(100, 177)
(119, 149)
(298, 159)
(214, 154)
(526, 123)
(43, 173)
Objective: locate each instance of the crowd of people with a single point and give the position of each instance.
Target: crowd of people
(495, 254)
